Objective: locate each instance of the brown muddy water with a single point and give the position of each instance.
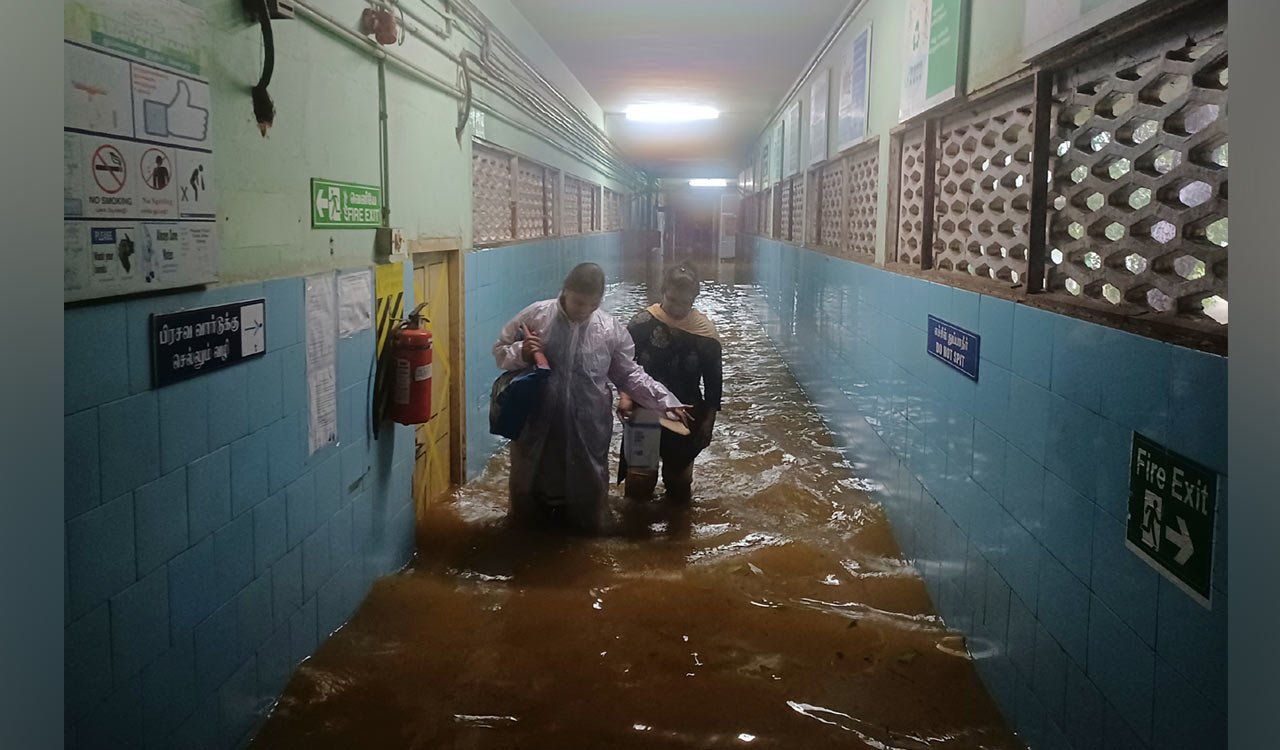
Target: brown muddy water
(775, 611)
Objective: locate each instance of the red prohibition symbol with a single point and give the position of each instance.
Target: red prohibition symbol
(109, 169)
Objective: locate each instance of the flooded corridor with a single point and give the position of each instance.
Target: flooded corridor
(775, 611)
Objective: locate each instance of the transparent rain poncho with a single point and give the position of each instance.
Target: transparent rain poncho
(562, 455)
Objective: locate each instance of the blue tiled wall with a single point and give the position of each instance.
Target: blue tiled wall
(1009, 495)
(501, 282)
(207, 552)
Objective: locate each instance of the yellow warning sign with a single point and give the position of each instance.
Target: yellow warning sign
(389, 291)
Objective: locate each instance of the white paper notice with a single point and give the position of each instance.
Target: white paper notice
(322, 375)
(355, 303)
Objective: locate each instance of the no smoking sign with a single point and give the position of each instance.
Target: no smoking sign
(109, 169)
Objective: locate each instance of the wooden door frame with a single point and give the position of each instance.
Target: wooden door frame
(422, 254)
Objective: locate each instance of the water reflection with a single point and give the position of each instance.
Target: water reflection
(775, 610)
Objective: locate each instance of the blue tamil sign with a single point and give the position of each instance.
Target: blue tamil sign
(954, 346)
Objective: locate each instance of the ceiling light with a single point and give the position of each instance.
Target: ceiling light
(670, 113)
(708, 183)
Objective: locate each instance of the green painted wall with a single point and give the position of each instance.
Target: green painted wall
(995, 40)
(994, 52)
(326, 96)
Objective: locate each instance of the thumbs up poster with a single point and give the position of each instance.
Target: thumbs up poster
(139, 204)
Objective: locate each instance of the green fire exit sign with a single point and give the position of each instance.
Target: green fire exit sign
(345, 205)
(1172, 502)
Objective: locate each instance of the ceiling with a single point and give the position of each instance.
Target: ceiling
(739, 56)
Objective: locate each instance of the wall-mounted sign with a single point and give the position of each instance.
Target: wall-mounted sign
(855, 91)
(138, 193)
(188, 343)
(762, 169)
(935, 39)
(345, 205)
(791, 154)
(819, 102)
(954, 346)
(776, 151)
(1172, 502)
(1049, 23)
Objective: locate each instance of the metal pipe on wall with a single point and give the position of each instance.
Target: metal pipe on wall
(514, 53)
(477, 18)
(324, 20)
(595, 142)
(383, 142)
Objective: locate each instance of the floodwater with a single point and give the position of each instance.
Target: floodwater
(775, 611)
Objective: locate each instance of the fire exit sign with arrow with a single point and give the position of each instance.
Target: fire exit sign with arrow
(345, 205)
(1172, 502)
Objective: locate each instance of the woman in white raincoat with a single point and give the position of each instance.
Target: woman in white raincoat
(560, 462)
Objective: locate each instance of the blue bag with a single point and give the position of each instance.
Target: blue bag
(515, 395)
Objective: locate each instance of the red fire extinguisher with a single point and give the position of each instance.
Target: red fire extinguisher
(411, 362)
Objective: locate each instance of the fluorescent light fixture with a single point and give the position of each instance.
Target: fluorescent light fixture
(708, 183)
(670, 112)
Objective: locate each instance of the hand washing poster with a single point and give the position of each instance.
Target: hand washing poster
(935, 35)
(855, 88)
(791, 153)
(138, 188)
(819, 100)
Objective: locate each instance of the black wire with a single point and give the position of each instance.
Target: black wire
(263, 108)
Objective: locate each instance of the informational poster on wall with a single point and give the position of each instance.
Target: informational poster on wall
(855, 93)
(1049, 23)
(791, 131)
(776, 149)
(819, 101)
(935, 40)
(322, 361)
(139, 205)
(762, 168)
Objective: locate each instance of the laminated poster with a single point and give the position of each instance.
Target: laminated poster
(322, 375)
(139, 202)
(819, 101)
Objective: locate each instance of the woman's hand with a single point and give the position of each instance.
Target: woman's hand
(680, 414)
(532, 344)
(625, 408)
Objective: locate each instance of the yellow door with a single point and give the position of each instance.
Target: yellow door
(431, 471)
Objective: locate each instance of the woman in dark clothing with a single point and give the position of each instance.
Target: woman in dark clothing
(680, 348)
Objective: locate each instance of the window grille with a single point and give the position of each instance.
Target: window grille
(783, 231)
(533, 211)
(1138, 201)
(845, 215)
(911, 198)
(613, 211)
(594, 203)
(572, 206)
(983, 190)
(491, 190)
(776, 209)
(861, 194)
(795, 230)
(831, 182)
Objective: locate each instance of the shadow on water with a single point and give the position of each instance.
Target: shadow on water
(775, 610)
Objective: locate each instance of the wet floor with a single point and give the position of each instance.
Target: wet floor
(776, 611)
